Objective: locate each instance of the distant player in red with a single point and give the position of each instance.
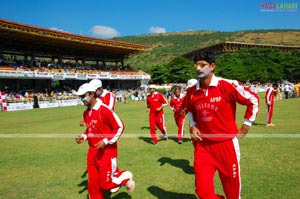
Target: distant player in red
(270, 94)
(190, 83)
(103, 129)
(211, 106)
(175, 106)
(155, 103)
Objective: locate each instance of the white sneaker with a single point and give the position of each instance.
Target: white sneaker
(130, 185)
(115, 190)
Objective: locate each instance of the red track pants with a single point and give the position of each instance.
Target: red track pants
(156, 119)
(270, 109)
(103, 174)
(179, 119)
(217, 156)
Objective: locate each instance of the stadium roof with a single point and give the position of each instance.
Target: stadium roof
(21, 39)
(225, 47)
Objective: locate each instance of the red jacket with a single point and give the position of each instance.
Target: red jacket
(102, 123)
(176, 104)
(155, 101)
(108, 99)
(213, 110)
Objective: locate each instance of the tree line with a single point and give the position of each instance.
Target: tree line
(254, 65)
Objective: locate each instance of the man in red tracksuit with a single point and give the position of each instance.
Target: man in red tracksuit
(270, 102)
(211, 106)
(155, 103)
(175, 106)
(105, 96)
(103, 129)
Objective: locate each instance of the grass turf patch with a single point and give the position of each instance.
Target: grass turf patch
(54, 167)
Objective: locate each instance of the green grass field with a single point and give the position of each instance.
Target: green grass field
(53, 167)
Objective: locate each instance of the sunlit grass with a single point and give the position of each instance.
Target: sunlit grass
(55, 167)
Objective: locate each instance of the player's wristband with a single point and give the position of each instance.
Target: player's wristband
(84, 136)
(105, 140)
(248, 122)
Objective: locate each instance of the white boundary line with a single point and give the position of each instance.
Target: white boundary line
(273, 136)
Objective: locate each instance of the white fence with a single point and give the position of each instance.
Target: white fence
(42, 104)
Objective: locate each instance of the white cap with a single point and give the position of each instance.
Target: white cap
(152, 86)
(96, 83)
(84, 88)
(191, 82)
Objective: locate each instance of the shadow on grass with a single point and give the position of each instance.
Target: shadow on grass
(120, 195)
(145, 127)
(83, 183)
(180, 163)
(258, 124)
(160, 138)
(160, 193)
(174, 138)
(146, 139)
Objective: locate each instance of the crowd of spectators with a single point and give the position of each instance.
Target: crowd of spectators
(26, 96)
(52, 94)
(64, 67)
(285, 91)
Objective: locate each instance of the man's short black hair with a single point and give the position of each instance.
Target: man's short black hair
(275, 85)
(206, 56)
(176, 88)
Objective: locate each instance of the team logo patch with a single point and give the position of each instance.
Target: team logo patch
(215, 99)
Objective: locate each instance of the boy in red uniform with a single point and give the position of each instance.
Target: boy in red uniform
(175, 106)
(103, 129)
(211, 106)
(270, 93)
(155, 103)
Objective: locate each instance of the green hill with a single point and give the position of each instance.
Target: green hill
(167, 46)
